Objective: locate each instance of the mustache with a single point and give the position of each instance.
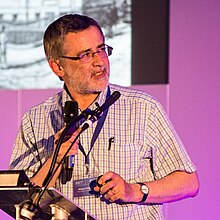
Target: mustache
(103, 68)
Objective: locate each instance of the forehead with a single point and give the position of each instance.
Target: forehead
(88, 38)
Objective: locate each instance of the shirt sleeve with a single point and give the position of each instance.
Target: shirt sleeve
(25, 154)
(168, 152)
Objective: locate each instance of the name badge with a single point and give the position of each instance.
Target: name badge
(85, 187)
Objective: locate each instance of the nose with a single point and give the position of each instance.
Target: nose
(98, 60)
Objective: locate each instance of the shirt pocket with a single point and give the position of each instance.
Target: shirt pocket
(124, 159)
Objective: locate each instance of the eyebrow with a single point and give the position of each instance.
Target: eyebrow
(88, 50)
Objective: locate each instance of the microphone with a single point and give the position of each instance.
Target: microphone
(70, 112)
(97, 113)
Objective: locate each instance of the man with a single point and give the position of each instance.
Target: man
(133, 150)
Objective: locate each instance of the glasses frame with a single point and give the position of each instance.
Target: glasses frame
(108, 53)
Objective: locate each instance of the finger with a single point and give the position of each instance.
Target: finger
(107, 187)
(57, 135)
(97, 188)
(59, 132)
(112, 195)
(73, 136)
(73, 140)
(106, 178)
(117, 195)
(109, 195)
(72, 152)
(114, 198)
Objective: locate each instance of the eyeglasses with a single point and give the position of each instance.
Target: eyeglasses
(87, 56)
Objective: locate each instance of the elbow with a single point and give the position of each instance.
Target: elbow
(195, 191)
(195, 185)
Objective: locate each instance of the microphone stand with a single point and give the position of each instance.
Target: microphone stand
(70, 112)
(31, 207)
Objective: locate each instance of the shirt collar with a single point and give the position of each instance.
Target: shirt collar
(65, 95)
(100, 99)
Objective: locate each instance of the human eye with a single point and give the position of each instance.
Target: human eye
(84, 55)
(102, 49)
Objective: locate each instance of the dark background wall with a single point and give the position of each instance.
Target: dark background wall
(150, 37)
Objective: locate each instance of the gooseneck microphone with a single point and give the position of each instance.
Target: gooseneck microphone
(97, 113)
(83, 121)
(70, 113)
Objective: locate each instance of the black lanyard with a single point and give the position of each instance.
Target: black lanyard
(95, 135)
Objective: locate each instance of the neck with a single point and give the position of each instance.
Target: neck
(84, 101)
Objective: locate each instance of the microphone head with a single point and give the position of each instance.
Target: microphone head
(70, 111)
(110, 100)
(96, 114)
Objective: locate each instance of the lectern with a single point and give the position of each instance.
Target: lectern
(53, 205)
(15, 200)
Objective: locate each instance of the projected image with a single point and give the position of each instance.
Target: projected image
(22, 24)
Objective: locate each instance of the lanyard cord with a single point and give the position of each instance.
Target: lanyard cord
(95, 135)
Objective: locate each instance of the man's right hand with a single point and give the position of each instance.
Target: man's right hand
(39, 177)
(65, 145)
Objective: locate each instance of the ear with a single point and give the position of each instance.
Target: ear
(56, 68)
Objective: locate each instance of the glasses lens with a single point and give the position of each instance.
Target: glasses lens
(85, 57)
(103, 52)
(109, 50)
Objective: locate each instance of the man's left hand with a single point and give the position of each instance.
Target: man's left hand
(113, 187)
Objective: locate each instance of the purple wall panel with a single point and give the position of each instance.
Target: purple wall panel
(194, 101)
(8, 126)
(30, 98)
(8, 130)
(160, 92)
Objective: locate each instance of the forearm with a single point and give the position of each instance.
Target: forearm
(176, 186)
(40, 176)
